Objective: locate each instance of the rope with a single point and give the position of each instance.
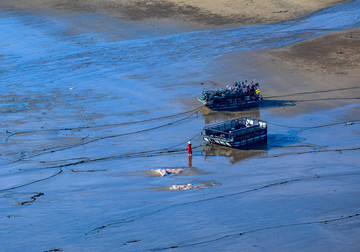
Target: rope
(52, 150)
(101, 126)
(312, 92)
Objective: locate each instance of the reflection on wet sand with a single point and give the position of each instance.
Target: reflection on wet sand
(170, 171)
(212, 116)
(189, 186)
(235, 155)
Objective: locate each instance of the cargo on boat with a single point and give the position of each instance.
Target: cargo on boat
(240, 95)
(236, 133)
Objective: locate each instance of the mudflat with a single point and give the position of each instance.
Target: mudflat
(336, 54)
(240, 12)
(98, 103)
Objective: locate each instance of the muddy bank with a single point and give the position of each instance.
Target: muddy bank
(326, 63)
(334, 54)
(318, 73)
(240, 12)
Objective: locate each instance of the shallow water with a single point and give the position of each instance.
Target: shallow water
(86, 118)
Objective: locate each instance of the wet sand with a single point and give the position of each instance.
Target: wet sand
(77, 152)
(335, 54)
(319, 73)
(239, 12)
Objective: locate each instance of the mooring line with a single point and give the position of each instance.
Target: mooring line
(313, 92)
(56, 149)
(99, 126)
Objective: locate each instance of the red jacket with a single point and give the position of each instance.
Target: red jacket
(189, 148)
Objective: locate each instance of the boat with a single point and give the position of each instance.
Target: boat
(240, 95)
(236, 133)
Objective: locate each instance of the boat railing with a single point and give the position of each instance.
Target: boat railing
(262, 125)
(234, 129)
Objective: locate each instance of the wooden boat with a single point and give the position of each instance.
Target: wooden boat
(236, 97)
(236, 133)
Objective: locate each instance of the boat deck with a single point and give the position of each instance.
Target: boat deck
(236, 133)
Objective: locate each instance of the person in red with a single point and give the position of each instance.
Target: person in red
(189, 149)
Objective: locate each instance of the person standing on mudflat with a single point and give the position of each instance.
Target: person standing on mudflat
(189, 149)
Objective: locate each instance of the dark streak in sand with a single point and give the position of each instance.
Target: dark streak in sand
(33, 198)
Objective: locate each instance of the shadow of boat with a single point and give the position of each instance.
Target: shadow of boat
(276, 103)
